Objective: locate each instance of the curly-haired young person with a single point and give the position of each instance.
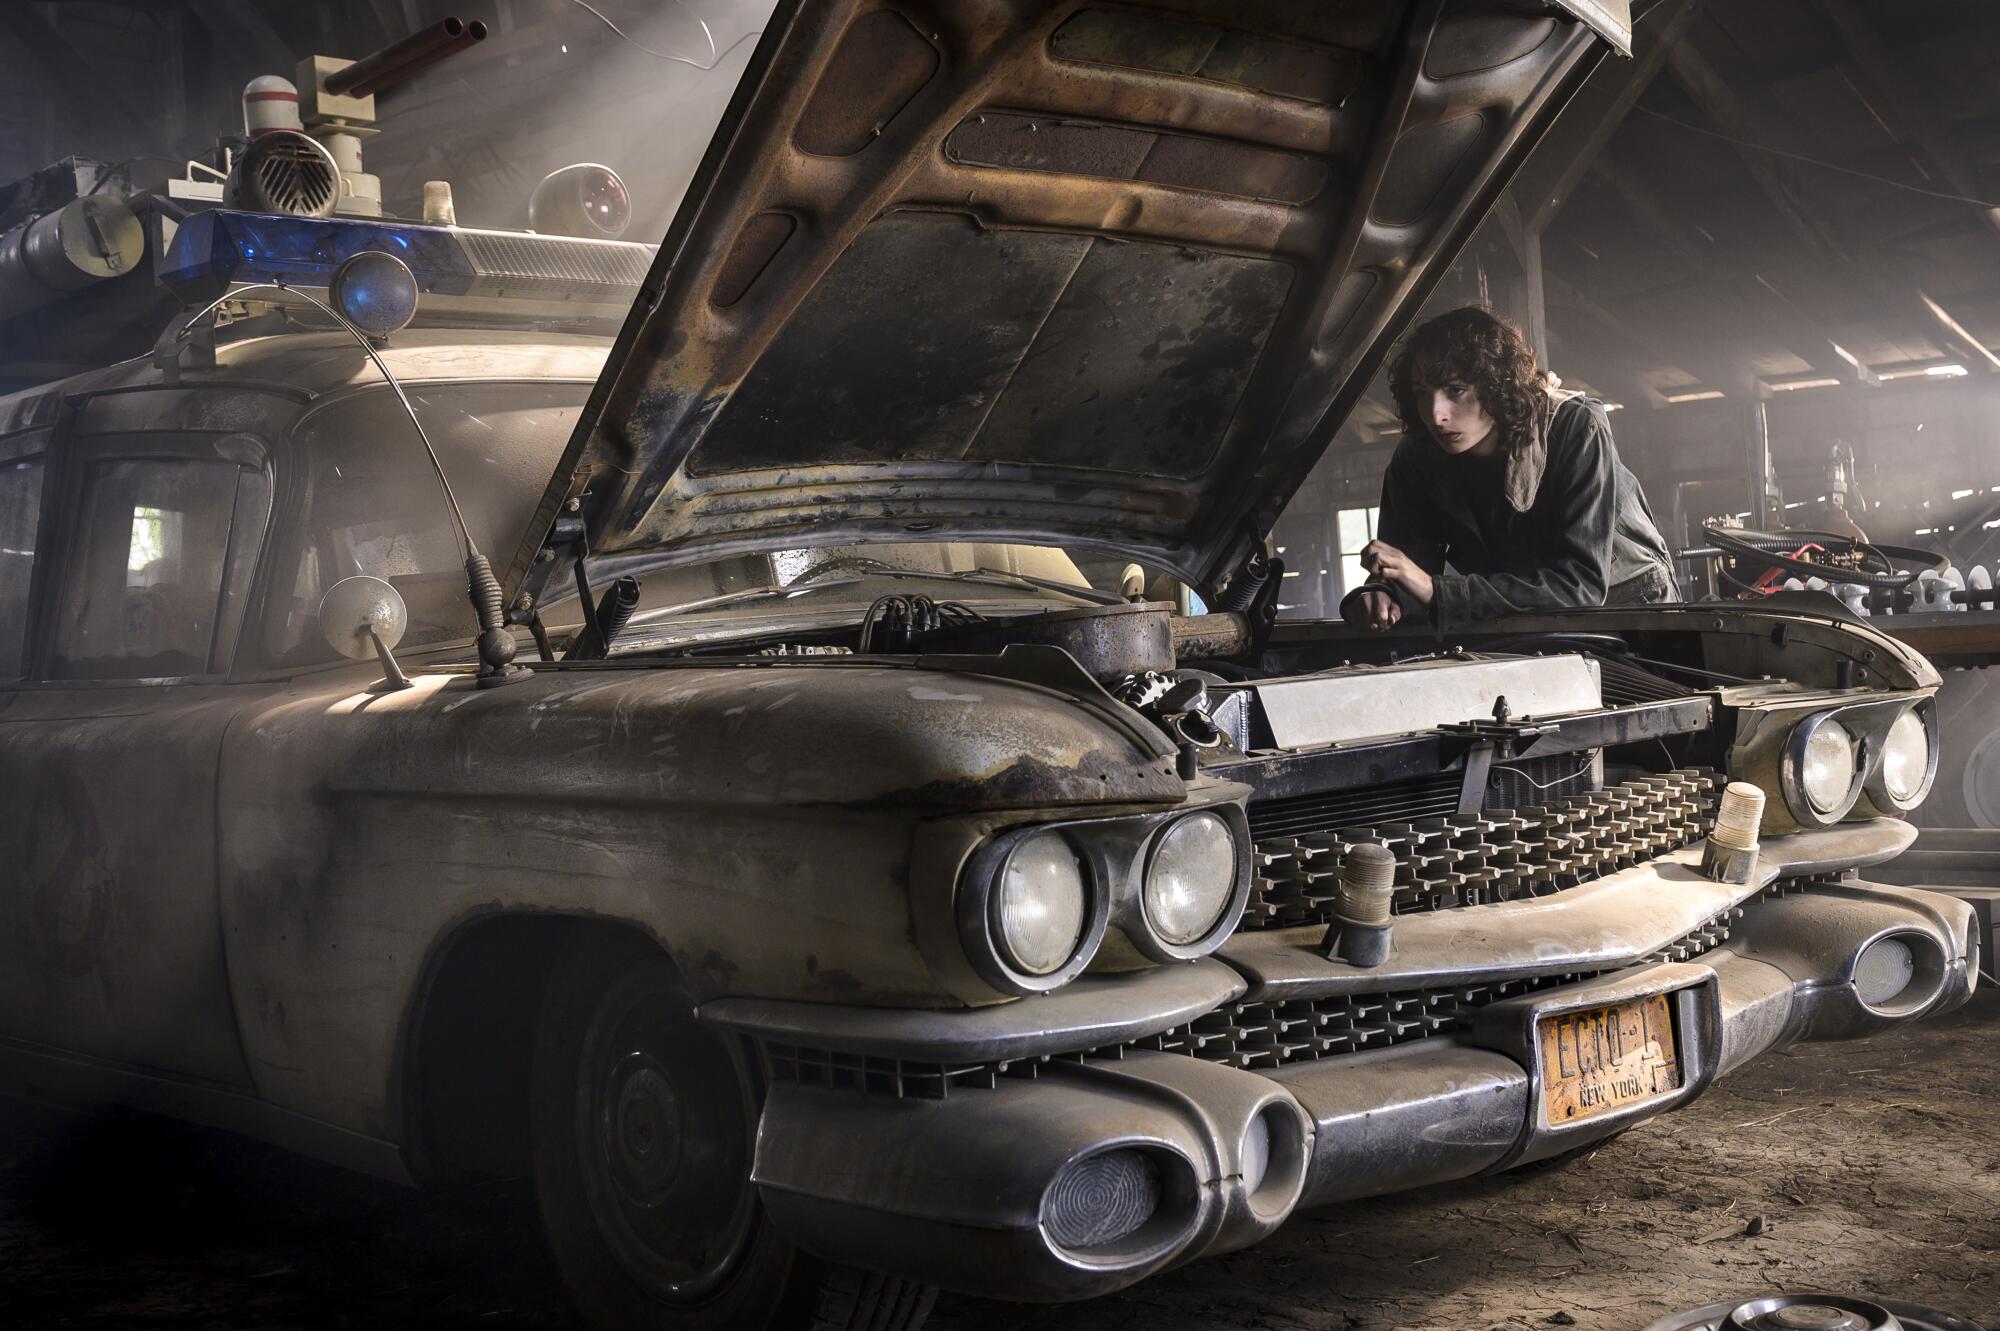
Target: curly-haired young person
(1505, 495)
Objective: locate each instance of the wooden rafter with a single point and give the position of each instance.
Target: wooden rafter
(1890, 81)
(1736, 115)
(1588, 123)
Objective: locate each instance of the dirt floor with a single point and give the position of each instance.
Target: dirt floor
(1870, 1167)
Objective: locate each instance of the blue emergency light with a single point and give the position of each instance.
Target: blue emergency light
(217, 249)
(220, 248)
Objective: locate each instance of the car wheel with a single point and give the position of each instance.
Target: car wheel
(644, 1123)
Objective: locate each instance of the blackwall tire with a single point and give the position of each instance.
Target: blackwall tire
(643, 1124)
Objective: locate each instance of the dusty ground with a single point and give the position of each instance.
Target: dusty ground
(1875, 1167)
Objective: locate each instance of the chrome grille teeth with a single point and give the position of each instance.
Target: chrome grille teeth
(1269, 1035)
(1494, 855)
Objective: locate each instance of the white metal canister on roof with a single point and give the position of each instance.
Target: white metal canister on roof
(269, 103)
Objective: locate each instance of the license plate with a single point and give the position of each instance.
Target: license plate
(1601, 1059)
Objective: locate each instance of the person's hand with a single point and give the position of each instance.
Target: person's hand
(1394, 567)
(1373, 609)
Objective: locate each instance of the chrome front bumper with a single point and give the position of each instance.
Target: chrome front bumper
(955, 1190)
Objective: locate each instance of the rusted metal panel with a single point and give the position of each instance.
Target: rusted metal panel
(689, 802)
(981, 326)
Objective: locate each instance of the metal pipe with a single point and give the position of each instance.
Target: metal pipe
(400, 60)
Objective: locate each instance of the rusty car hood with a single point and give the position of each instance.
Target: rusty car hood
(1055, 271)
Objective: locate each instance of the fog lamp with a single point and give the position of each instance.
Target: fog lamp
(1102, 1199)
(1256, 1151)
(1191, 878)
(1884, 970)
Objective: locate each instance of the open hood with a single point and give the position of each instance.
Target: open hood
(1062, 271)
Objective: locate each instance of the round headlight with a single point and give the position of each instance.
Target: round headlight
(1826, 768)
(1191, 879)
(1040, 904)
(1906, 758)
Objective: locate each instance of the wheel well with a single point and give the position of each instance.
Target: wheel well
(473, 1042)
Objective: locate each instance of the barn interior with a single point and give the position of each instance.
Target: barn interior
(1764, 239)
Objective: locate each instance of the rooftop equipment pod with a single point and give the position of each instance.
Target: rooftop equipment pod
(86, 240)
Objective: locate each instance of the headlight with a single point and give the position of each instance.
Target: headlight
(1040, 904)
(1191, 879)
(1821, 763)
(1905, 775)
(1827, 768)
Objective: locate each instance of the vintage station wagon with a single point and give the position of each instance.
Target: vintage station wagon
(814, 856)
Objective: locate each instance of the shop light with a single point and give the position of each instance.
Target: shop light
(1924, 372)
(1706, 395)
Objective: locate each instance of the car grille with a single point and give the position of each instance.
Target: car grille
(1529, 781)
(1238, 1035)
(1494, 855)
(1269, 1035)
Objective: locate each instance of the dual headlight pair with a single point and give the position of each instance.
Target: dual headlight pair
(1035, 901)
(1885, 752)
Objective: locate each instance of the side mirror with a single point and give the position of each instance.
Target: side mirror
(362, 617)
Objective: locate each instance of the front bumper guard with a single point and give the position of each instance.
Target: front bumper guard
(955, 1191)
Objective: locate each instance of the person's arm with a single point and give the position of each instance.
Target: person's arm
(1582, 469)
(1401, 521)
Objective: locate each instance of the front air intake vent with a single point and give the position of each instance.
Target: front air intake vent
(282, 171)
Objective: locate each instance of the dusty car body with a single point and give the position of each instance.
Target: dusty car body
(710, 924)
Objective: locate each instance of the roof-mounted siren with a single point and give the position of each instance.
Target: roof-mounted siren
(86, 240)
(585, 200)
(284, 171)
(337, 101)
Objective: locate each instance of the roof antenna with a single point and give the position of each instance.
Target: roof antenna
(369, 274)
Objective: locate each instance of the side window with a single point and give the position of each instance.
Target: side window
(20, 516)
(1356, 528)
(146, 594)
(373, 504)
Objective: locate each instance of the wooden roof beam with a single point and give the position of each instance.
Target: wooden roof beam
(1651, 352)
(1734, 115)
(1587, 124)
(1891, 81)
(1960, 338)
(1798, 334)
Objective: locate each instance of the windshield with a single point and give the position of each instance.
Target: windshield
(372, 505)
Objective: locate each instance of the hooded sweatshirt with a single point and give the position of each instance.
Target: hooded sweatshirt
(1558, 524)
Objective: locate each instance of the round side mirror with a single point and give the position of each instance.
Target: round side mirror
(353, 606)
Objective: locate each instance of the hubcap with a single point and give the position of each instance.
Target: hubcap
(667, 1112)
(645, 1131)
